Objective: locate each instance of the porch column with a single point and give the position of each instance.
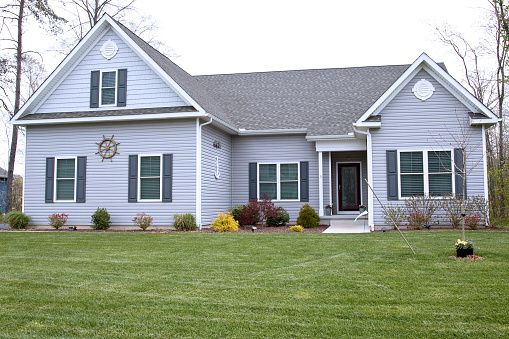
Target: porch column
(320, 184)
(330, 179)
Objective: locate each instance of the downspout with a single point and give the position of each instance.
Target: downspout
(198, 169)
(369, 152)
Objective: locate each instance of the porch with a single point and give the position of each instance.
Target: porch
(346, 223)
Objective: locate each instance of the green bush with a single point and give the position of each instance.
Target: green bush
(280, 219)
(225, 223)
(308, 218)
(17, 220)
(101, 219)
(184, 222)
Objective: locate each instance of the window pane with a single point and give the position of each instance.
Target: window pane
(411, 162)
(289, 190)
(412, 184)
(268, 172)
(150, 166)
(65, 189)
(439, 161)
(270, 189)
(150, 188)
(289, 172)
(108, 96)
(108, 79)
(440, 184)
(65, 168)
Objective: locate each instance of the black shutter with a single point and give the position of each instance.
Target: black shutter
(304, 181)
(122, 87)
(94, 89)
(459, 172)
(132, 195)
(253, 180)
(81, 179)
(392, 174)
(167, 177)
(50, 179)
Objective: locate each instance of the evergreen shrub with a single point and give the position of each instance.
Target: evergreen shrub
(225, 223)
(101, 219)
(308, 218)
(184, 222)
(17, 220)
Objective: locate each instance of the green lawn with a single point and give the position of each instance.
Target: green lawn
(252, 285)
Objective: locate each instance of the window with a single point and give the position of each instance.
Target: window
(108, 88)
(279, 181)
(425, 173)
(65, 175)
(150, 177)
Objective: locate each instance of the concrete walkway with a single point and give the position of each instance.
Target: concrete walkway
(348, 226)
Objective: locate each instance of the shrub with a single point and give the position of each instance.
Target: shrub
(249, 214)
(452, 208)
(101, 219)
(225, 223)
(143, 220)
(477, 204)
(280, 218)
(394, 214)
(236, 212)
(421, 209)
(184, 222)
(297, 228)
(57, 220)
(308, 218)
(416, 220)
(472, 221)
(17, 220)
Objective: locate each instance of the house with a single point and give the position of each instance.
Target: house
(119, 125)
(3, 189)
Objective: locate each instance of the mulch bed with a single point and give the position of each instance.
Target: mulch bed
(469, 257)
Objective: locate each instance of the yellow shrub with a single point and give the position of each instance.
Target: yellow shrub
(297, 228)
(225, 223)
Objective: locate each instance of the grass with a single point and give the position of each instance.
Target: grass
(144, 285)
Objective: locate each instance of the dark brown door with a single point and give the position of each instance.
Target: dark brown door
(349, 192)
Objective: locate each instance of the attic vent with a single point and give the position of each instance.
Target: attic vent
(423, 89)
(109, 49)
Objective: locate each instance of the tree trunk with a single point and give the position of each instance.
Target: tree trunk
(17, 101)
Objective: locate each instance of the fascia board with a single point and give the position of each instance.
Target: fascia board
(110, 118)
(376, 124)
(272, 131)
(330, 137)
(62, 67)
(155, 67)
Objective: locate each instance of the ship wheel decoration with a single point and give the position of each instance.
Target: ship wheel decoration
(107, 148)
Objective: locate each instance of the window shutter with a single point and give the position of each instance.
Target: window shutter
(81, 179)
(392, 174)
(122, 87)
(253, 180)
(304, 181)
(132, 195)
(167, 177)
(50, 179)
(94, 89)
(459, 172)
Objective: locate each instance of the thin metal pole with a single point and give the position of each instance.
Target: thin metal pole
(392, 219)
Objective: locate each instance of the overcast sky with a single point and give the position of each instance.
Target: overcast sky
(230, 36)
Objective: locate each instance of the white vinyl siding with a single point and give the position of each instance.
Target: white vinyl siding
(108, 88)
(278, 181)
(425, 173)
(149, 177)
(65, 179)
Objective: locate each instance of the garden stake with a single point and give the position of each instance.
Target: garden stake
(395, 225)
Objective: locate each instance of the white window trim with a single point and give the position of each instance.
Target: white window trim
(160, 177)
(56, 179)
(101, 87)
(278, 182)
(424, 152)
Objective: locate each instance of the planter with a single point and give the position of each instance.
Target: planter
(328, 211)
(361, 210)
(461, 253)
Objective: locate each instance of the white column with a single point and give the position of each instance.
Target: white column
(371, 207)
(198, 173)
(330, 179)
(320, 183)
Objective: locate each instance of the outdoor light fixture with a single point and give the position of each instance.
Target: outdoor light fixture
(253, 228)
(384, 229)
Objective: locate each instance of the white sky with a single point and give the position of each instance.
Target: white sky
(230, 36)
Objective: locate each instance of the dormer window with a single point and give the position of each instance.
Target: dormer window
(108, 88)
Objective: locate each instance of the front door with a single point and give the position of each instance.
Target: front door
(349, 193)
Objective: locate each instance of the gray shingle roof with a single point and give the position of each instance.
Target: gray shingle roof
(3, 173)
(325, 101)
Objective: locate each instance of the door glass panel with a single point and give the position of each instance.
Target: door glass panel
(349, 182)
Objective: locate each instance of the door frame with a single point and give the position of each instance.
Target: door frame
(337, 181)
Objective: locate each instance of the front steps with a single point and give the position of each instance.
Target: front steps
(345, 223)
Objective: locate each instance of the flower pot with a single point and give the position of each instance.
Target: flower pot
(328, 211)
(463, 252)
(362, 210)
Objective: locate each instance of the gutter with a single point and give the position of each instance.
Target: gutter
(198, 169)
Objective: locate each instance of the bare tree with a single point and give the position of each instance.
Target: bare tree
(14, 15)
